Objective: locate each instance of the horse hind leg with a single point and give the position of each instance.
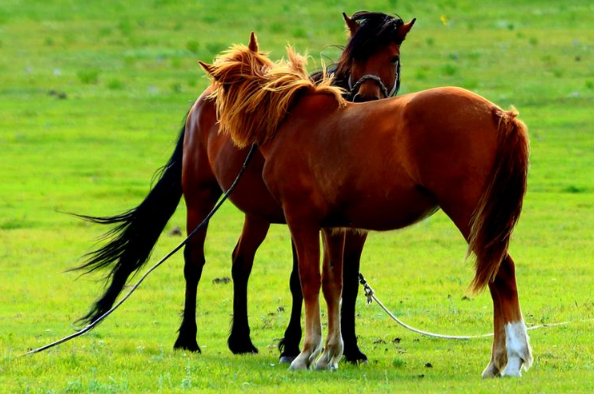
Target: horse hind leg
(353, 248)
(519, 352)
(199, 203)
(253, 234)
(194, 263)
(511, 347)
(499, 349)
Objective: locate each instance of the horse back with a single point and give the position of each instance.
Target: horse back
(347, 163)
(361, 161)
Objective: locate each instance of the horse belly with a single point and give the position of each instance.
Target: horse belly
(395, 209)
(253, 198)
(251, 195)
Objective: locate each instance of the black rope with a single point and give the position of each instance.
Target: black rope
(92, 325)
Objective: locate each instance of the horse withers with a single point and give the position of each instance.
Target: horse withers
(380, 165)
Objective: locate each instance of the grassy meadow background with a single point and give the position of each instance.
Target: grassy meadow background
(92, 95)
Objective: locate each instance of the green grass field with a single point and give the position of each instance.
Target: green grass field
(92, 95)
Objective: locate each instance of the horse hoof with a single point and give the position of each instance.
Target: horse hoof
(284, 359)
(491, 372)
(244, 349)
(490, 375)
(191, 347)
(297, 365)
(355, 357)
(513, 367)
(241, 344)
(512, 373)
(323, 366)
(287, 355)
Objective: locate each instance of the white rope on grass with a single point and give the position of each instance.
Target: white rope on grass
(370, 294)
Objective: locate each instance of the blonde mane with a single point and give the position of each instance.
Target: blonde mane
(254, 94)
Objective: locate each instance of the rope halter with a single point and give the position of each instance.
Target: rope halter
(353, 89)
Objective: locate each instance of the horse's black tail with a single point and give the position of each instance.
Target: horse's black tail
(130, 243)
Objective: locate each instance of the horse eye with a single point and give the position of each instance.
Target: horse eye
(394, 60)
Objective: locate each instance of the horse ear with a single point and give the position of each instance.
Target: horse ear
(253, 45)
(404, 29)
(351, 24)
(207, 67)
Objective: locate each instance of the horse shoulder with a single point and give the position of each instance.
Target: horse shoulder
(309, 123)
(303, 134)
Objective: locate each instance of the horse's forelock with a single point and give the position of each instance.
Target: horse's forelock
(376, 31)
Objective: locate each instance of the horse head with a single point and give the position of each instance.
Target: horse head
(370, 64)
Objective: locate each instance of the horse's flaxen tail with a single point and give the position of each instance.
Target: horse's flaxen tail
(136, 233)
(500, 205)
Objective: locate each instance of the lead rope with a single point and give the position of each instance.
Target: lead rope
(92, 325)
(370, 294)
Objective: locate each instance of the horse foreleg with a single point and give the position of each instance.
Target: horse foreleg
(355, 239)
(253, 233)
(289, 345)
(517, 343)
(198, 205)
(332, 288)
(307, 243)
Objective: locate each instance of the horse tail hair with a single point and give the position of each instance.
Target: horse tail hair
(500, 205)
(131, 241)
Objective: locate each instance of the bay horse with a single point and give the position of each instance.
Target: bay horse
(380, 165)
(204, 164)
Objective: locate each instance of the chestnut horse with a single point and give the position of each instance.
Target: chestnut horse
(380, 165)
(205, 163)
